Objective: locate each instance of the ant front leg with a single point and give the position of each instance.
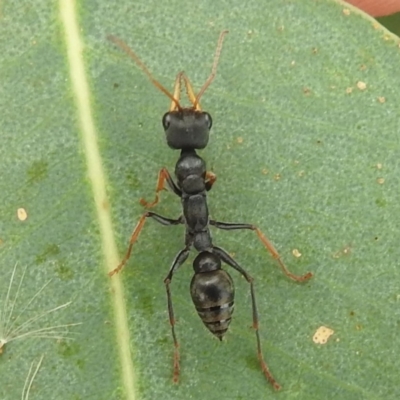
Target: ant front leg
(210, 180)
(226, 258)
(135, 234)
(180, 258)
(265, 241)
(163, 176)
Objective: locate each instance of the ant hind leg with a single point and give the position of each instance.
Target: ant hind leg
(268, 245)
(180, 258)
(227, 259)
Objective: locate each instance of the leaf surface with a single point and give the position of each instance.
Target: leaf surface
(304, 144)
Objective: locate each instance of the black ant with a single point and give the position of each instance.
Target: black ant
(187, 129)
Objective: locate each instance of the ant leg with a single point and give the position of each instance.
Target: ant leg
(180, 258)
(226, 258)
(163, 176)
(269, 246)
(210, 180)
(135, 234)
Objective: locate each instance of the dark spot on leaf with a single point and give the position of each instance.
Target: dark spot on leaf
(37, 171)
(51, 250)
(146, 304)
(163, 341)
(132, 180)
(380, 202)
(65, 273)
(68, 349)
(80, 363)
(252, 363)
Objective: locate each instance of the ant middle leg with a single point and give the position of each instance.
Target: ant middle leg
(268, 245)
(226, 258)
(180, 258)
(163, 176)
(136, 232)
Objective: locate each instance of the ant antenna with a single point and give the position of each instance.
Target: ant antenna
(213, 69)
(122, 45)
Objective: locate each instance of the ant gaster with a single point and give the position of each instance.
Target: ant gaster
(187, 129)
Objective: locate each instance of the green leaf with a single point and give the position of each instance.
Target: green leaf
(305, 145)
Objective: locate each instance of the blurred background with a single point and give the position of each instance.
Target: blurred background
(387, 12)
(391, 22)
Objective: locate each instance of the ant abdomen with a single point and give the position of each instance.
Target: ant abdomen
(213, 293)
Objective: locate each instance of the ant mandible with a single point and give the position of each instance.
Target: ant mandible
(187, 129)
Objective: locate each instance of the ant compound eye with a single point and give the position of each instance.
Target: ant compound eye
(166, 121)
(208, 119)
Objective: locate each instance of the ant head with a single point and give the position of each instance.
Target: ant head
(187, 128)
